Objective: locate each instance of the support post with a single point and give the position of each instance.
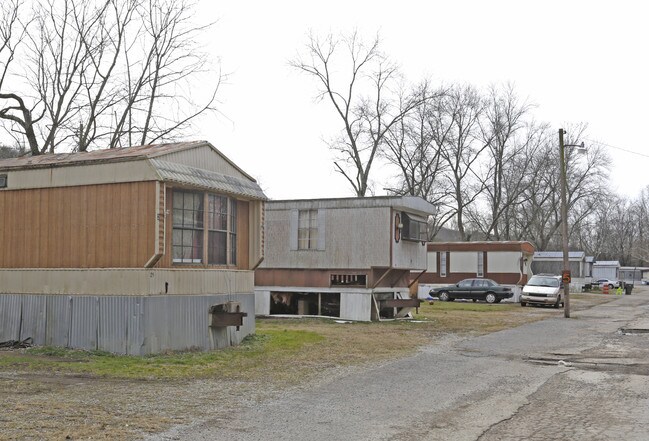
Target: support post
(564, 224)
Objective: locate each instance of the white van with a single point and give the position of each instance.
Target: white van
(543, 289)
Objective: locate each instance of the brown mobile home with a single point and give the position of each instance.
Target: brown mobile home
(132, 250)
(506, 262)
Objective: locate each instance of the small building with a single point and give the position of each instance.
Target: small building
(632, 274)
(506, 262)
(551, 262)
(606, 269)
(348, 258)
(133, 250)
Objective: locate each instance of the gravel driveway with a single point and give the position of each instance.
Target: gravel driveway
(577, 378)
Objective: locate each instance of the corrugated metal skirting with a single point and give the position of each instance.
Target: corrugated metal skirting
(134, 325)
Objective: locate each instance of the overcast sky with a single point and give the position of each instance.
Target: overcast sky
(578, 61)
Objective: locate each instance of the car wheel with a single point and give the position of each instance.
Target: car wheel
(611, 286)
(475, 300)
(490, 297)
(558, 302)
(443, 296)
(523, 304)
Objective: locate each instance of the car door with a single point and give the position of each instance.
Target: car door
(478, 289)
(463, 290)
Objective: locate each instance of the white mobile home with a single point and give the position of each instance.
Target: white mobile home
(348, 258)
(606, 269)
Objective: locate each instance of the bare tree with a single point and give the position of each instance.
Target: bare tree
(455, 128)
(508, 157)
(586, 190)
(640, 246)
(365, 98)
(410, 148)
(102, 73)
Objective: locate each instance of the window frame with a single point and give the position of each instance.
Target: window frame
(198, 229)
(210, 225)
(480, 269)
(442, 263)
(310, 230)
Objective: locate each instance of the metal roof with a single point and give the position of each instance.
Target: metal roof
(108, 155)
(559, 254)
(105, 155)
(413, 204)
(607, 263)
(184, 174)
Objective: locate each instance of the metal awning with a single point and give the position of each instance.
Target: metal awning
(184, 174)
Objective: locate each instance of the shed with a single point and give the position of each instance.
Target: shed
(348, 258)
(551, 262)
(606, 269)
(632, 274)
(133, 250)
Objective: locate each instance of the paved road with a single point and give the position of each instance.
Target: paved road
(559, 379)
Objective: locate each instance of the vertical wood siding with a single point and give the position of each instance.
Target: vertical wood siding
(243, 235)
(95, 226)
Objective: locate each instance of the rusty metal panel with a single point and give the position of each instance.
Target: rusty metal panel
(84, 322)
(10, 313)
(59, 310)
(33, 318)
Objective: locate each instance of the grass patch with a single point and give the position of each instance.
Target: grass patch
(240, 362)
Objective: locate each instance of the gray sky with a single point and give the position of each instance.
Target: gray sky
(579, 61)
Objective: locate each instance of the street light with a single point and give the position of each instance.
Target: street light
(564, 218)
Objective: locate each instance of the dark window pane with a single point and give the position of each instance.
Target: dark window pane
(217, 250)
(233, 249)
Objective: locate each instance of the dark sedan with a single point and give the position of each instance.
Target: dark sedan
(473, 289)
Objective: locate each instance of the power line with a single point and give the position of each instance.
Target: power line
(618, 148)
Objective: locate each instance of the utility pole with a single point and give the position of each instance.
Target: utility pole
(564, 225)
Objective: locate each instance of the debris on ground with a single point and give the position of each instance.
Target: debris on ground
(16, 344)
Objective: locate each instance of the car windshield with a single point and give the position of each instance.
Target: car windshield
(543, 281)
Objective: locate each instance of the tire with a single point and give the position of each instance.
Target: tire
(475, 300)
(443, 296)
(490, 297)
(611, 286)
(558, 302)
(523, 304)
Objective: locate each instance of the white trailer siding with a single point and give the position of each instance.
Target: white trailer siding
(464, 262)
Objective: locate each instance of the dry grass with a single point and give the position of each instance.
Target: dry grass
(53, 394)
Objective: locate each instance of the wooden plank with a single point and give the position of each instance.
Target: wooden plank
(82, 228)
(401, 303)
(4, 215)
(243, 236)
(91, 227)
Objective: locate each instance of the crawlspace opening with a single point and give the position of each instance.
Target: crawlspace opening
(301, 303)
